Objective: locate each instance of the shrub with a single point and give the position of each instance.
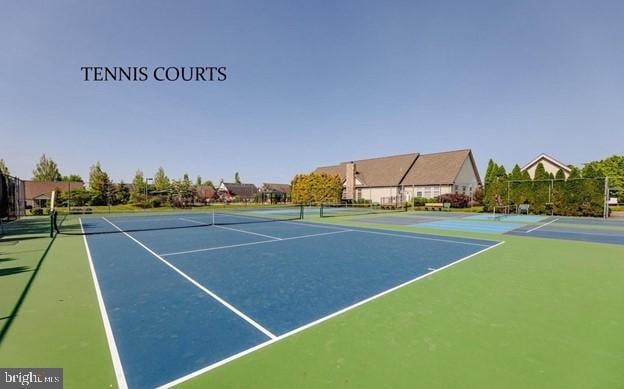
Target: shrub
(420, 201)
(457, 200)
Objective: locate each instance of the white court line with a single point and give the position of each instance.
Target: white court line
(229, 228)
(254, 243)
(249, 232)
(543, 225)
(378, 232)
(423, 238)
(200, 286)
(304, 327)
(119, 373)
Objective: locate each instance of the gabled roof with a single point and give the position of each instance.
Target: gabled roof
(282, 188)
(382, 171)
(335, 170)
(438, 168)
(33, 189)
(206, 191)
(407, 169)
(243, 190)
(549, 159)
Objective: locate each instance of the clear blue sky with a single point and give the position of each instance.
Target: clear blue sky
(309, 83)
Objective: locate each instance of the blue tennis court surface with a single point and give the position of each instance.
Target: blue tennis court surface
(484, 223)
(588, 230)
(181, 300)
(509, 218)
(487, 227)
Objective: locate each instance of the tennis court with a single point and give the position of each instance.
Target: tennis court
(182, 294)
(584, 230)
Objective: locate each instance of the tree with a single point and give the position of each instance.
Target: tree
(161, 181)
(209, 183)
(592, 192)
(3, 168)
(541, 189)
(316, 188)
(559, 194)
(495, 186)
(198, 181)
(137, 195)
(517, 194)
(237, 178)
(46, 170)
(182, 192)
(612, 167)
(72, 178)
(121, 193)
(99, 184)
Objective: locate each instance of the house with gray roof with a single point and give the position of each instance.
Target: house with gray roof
(398, 178)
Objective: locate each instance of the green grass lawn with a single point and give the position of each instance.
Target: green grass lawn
(532, 313)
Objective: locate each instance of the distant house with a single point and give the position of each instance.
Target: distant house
(229, 191)
(550, 164)
(274, 193)
(398, 178)
(206, 193)
(39, 193)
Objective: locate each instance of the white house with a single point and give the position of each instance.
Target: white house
(550, 164)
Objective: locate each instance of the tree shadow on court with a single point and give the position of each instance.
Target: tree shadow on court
(22, 297)
(13, 270)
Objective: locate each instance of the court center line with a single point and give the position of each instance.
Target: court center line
(230, 228)
(540, 226)
(253, 243)
(112, 346)
(200, 286)
(318, 321)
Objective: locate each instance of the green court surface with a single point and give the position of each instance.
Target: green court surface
(531, 313)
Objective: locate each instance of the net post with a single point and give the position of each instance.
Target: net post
(52, 223)
(300, 211)
(605, 209)
(321, 210)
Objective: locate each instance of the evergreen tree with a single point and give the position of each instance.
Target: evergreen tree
(541, 190)
(558, 194)
(592, 192)
(237, 179)
(121, 193)
(99, 184)
(161, 181)
(137, 194)
(572, 193)
(516, 196)
(46, 170)
(490, 171)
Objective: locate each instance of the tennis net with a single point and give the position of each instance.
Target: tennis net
(163, 221)
(331, 210)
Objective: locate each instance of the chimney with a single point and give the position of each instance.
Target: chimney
(350, 181)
